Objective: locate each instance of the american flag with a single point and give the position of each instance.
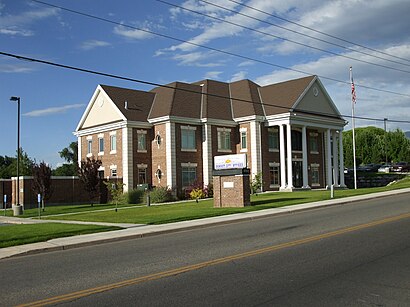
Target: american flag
(353, 89)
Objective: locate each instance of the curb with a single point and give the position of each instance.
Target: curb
(154, 230)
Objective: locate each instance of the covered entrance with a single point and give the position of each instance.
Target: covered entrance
(297, 174)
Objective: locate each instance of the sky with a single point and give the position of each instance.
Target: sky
(266, 41)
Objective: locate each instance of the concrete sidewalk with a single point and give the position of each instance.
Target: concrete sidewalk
(132, 231)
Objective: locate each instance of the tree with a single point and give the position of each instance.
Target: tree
(70, 155)
(374, 145)
(116, 190)
(88, 173)
(256, 183)
(42, 182)
(8, 165)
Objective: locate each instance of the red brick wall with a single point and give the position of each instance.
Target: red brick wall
(159, 155)
(236, 196)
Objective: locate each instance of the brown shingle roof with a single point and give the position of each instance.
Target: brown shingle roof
(247, 91)
(136, 100)
(217, 104)
(180, 99)
(284, 94)
(177, 99)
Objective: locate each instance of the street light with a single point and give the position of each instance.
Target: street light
(17, 210)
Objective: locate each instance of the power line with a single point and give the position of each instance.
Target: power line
(286, 39)
(320, 32)
(94, 72)
(215, 49)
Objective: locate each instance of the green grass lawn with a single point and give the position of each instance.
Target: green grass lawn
(11, 235)
(191, 210)
(22, 234)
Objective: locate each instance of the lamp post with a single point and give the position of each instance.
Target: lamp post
(17, 209)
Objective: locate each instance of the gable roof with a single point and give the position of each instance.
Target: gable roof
(281, 97)
(139, 102)
(210, 99)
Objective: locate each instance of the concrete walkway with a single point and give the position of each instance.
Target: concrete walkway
(132, 231)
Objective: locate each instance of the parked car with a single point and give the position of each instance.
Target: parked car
(385, 168)
(369, 168)
(401, 167)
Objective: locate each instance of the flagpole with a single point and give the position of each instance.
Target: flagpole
(354, 141)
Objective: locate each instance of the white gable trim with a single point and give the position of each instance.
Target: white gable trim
(99, 90)
(329, 99)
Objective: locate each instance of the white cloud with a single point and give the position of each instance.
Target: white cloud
(240, 75)
(53, 110)
(132, 33)
(91, 44)
(17, 24)
(213, 75)
(198, 59)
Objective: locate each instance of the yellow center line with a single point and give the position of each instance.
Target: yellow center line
(188, 268)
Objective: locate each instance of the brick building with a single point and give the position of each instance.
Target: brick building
(290, 132)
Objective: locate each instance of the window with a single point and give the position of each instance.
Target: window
(314, 168)
(274, 174)
(89, 147)
(188, 175)
(113, 172)
(188, 141)
(313, 143)
(158, 174)
(100, 145)
(296, 140)
(273, 139)
(158, 139)
(244, 139)
(224, 140)
(142, 175)
(113, 143)
(142, 141)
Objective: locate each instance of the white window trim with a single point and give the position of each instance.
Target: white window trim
(100, 137)
(189, 164)
(224, 130)
(191, 128)
(142, 166)
(89, 138)
(143, 132)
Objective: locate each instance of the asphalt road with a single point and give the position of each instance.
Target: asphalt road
(349, 255)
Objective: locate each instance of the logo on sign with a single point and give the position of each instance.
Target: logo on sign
(230, 161)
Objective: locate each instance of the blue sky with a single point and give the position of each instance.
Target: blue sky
(53, 99)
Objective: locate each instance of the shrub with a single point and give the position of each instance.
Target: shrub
(197, 194)
(160, 195)
(135, 196)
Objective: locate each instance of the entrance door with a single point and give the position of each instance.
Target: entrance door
(297, 174)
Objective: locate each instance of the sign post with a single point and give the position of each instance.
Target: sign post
(5, 203)
(39, 205)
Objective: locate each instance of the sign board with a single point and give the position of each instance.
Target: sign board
(230, 161)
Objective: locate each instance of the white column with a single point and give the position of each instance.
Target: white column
(304, 159)
(335, 158)
(207, 154)
(282, 157)
(289, 152)
(255, 132)
(127, 159)
(79, 151)
(341, 164)
(171, 154)
(328, 159)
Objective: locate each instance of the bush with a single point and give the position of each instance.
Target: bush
(197, 194)
(132, 197)
(160, 195)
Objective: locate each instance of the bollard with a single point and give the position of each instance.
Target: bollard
(148, 200)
